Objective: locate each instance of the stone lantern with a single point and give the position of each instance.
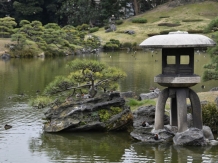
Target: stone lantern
(178, 77)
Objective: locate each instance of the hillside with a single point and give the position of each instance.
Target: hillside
(200, 14)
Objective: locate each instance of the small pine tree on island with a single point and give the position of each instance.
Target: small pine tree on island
(85, 80)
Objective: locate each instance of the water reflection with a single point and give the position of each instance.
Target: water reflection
(84, 147)
(115, 147)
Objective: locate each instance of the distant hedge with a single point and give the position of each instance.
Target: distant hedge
(169, 24)
(167, 31)
(192, 20)
(94, 29)
(195, 31)
(164, 17)
(152, 34)
(139, 20)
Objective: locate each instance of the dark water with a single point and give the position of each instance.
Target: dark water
(26, 142)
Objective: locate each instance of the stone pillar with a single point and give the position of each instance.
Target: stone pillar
(196, 109)
(160, 109)
(181, 109)
(173, 112)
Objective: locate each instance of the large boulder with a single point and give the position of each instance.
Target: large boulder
(192, 136)
(105, 113)
(146, 114)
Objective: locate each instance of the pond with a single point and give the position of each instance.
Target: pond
(26, 142)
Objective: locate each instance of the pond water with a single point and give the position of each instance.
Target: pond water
(26, 142)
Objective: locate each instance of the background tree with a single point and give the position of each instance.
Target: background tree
(6, 8)
(28, 10)
(78, 12)
(107, 8)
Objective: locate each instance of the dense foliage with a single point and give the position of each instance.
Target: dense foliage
(33, 38)
(210, 116)
(211, 69)
(72, 12)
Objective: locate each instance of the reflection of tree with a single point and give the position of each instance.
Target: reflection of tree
(77, 146)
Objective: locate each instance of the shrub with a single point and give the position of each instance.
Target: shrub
(167, 31)
(169, 24)
(40, 102)
(212, 25)
(82, 27)
(110, 46)
(118, 22)
(92, 30)
(195, 31)
(164, 17)
(152, 34)
(192, 20)
(127, 44)
(210, 116)
(139, 20)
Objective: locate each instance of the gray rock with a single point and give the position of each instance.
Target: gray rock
(130, 32)
(5, 56)
(105, 113)
(145, 134)
(151, 95)
(208, 133)
(214, 89)
(190, 137)
(128, 94)
(146, 114)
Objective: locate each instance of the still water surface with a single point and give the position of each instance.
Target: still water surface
(26, 142)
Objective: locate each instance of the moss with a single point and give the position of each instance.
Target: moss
(115, 110)
(104, 115)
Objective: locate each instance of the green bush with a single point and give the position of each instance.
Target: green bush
(167, 31)
(82, 27)
(94, 29)
(164, 17)
(127, 44)
(192, 20)
(210, 116)
(213, 25)
(195, 31)
(139, 20)
(152, 34)
(169, 24)
(110, 46)
(119, 22)
(40, 102)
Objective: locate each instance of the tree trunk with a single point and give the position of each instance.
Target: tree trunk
(136, 7)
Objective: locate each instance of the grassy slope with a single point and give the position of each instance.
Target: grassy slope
(205, 10)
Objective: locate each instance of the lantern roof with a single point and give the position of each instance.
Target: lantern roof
(178, 39)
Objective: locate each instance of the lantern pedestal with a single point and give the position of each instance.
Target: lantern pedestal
(178, 108)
